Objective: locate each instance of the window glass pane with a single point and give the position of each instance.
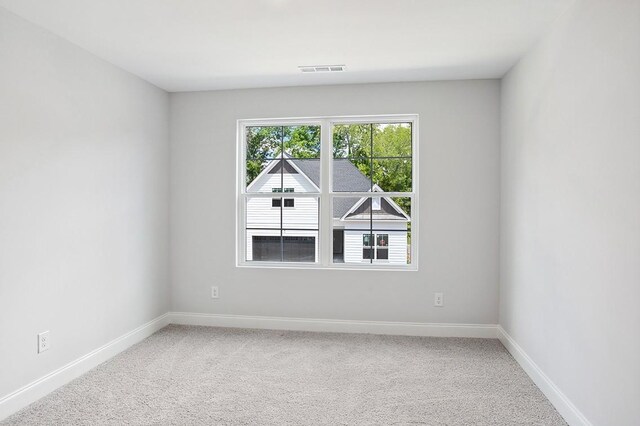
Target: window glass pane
(405, 205)
(367, 253)
(382, 254)
(365, 235)
(392, 175)
(392, 140)
(282, 231)
(370, 155)
(287, 249)
(261, 213)
(302, 141)
(263, 142)
(299, 249)
(285, 157)
(300, 213)
(352, 174)
(265, 248)
(284, 175)
(351, 140)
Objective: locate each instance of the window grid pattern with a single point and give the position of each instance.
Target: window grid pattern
(281, 248)
(372, 156)
(378, 241)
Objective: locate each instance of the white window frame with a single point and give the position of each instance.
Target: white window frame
(325, 195)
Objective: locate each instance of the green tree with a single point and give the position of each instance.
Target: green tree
(263, 144)
(382, 152)
(351, 141)
(302, 141)
(269, 142)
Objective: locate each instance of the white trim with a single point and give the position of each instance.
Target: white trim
(565, 407)
(272, 163)
(343, 119)
(362, 200)
(15, 401)
(378, 267)
(336, 325)
(325, 259)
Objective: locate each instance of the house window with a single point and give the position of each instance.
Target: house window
(378, 251)
(367, 246)
(382, 246)
(331, 167)
(277, 202)
(376, 203)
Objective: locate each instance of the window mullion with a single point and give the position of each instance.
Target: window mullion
(326, 153)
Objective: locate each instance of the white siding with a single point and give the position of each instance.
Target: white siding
(303, 215)
(397, 242)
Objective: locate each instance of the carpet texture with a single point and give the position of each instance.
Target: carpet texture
(185, 375)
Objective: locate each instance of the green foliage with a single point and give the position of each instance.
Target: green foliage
(381, 152)
(262, 144)
(302, 141)
(267, 143)
(351, 141)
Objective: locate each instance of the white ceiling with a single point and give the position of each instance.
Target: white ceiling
(183, 45)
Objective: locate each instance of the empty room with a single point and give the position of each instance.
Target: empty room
(339, 212)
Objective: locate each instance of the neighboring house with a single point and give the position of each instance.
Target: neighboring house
(353, 242)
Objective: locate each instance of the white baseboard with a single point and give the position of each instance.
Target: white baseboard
(35, 390)
(333, 325)
(565, 407)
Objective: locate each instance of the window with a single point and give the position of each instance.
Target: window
(331, 167)
(379, 251)
(277, 202)
(382, 246)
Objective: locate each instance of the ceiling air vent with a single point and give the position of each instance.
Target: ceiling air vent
(321, 68)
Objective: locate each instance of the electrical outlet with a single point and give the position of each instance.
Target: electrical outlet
(438, 299)
(214, 292)
(44, 341)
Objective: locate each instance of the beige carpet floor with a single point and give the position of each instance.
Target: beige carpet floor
(185, 375)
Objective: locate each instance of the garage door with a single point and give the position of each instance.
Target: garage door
(287, 249)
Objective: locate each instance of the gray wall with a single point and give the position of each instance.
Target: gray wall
(459, 172)
(570, 208)
(83, 201)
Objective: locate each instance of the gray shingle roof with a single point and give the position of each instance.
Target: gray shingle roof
(346, 178)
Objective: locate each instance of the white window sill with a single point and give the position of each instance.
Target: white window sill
(335, 267)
